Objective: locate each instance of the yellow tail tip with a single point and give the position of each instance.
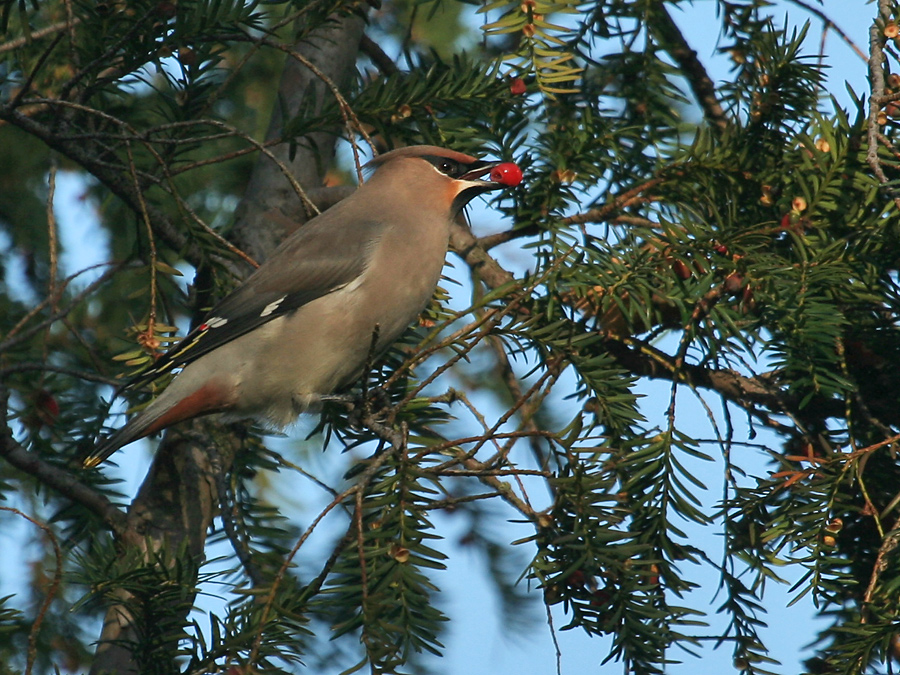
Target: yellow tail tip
(91, 462)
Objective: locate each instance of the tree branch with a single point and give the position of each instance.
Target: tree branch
(876, 77)
(270, 210)
(467, 247)
(35, 366)
(830, 24)
(65, 483)
(111, 177)
(701, 83)
(747, 392)
(20, 42)
(606, 213)
(382, 61)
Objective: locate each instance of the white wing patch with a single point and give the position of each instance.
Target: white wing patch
(272, 306)
(214, 322)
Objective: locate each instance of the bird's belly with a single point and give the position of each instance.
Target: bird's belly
(322, 347)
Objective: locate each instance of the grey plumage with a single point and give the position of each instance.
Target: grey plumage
(302, 325)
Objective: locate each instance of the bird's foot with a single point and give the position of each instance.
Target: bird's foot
(349, 400)
(362, 408)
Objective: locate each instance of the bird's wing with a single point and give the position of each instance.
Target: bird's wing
(321, 257)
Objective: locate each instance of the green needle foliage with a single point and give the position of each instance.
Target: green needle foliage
(733, 243)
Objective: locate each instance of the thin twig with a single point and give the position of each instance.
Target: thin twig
(439, 448)
(506, 492)
(514, 386)
(52, 244)
(829, 23)
(26, 86)
(701, 309)
(349, 117)
(876, 76)
(699, 80)
(51, 592)
(103, 60)
(554, 638)
(601, 214)
(397, 441)
(14, 338)
(43, 367)
(151, 241)
(888, 544)
(227, 509)
(35, 35)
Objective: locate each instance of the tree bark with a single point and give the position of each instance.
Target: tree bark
(271, 209)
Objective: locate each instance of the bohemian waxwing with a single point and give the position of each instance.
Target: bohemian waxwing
(302, 325)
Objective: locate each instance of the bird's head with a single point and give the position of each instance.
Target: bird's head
(446, 177)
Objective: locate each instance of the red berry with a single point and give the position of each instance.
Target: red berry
(600, 597)
(506, 174)
(576, 579)
(187, 57)
(681, 270)
(166, 9)
(46, 410)
(733, 283)
(517, 88)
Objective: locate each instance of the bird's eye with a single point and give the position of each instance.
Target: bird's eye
(448, 167)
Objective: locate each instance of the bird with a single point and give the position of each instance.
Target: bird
(336, 292)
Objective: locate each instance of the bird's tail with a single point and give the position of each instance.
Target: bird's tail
(176, 404)
(136, 428)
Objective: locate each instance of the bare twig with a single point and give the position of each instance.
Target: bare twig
(43, 367)
(227, 511)
(606, 213)
(397, 441)
(35, 35)
(514, 386)
(876, 77)
(52, 243)
(700, 311)
(438, 448)
(888, 543)
(504, 489)
(700, 82)
(151, 240)
(14, 337)
(830, 24)
(51, 591)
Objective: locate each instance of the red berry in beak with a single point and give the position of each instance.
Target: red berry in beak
(506, 174)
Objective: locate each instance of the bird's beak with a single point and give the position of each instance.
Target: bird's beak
(478, 169)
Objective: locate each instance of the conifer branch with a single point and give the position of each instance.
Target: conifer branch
(65, 483)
